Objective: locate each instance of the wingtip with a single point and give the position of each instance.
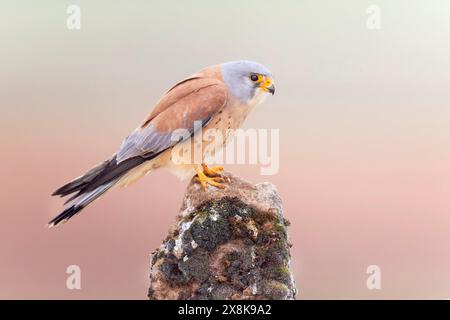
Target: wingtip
(50, 225)
(57, 192)
(53, 224)
(62, 192)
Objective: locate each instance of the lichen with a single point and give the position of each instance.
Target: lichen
(210, 231)
(195, 266)
(227, 249)
(275, 289)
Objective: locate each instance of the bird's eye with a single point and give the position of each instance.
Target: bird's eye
(254, 77)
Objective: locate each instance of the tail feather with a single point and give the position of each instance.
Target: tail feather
(80, 182)
(80, 204)
(93, 184)
(64, 216)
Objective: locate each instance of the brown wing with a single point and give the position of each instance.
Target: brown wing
(203, 78)
(195, 99)
(192, 100)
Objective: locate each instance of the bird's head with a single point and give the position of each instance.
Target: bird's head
(247, 80)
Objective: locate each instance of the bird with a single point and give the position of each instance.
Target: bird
(218, 97)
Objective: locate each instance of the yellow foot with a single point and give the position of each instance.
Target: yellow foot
(212, 172)
(203, 178)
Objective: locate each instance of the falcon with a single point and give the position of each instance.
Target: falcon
(218, 97)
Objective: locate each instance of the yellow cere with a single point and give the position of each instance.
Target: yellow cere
(265, 83)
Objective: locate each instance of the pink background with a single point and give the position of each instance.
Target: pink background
(364, 119)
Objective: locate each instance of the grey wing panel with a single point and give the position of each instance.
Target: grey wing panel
(147, 141)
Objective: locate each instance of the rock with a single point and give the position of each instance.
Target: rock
(227, 244)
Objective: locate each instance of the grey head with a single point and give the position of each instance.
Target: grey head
(247, 79)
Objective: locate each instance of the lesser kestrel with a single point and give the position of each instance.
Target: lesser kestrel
(218, 97)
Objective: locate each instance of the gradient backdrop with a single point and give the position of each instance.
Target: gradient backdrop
(364, 119)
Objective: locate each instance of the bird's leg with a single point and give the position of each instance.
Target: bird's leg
(212, 172)
(215, 172)
(204, 178)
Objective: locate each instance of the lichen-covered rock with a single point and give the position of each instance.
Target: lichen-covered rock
(227, 244)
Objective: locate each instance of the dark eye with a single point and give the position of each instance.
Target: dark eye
(254, 77)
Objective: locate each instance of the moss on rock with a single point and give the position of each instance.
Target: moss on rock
(227, 245)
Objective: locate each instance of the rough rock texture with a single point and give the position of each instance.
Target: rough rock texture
(227, 244)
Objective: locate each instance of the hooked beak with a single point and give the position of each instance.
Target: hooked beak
(267, 85)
